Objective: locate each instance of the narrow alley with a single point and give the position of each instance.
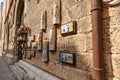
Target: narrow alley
(59, 39)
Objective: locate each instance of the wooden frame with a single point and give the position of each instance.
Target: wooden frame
(53, 39)
(39, 41)
(45, 53)
(66, 57)
(57, 12)
(39, 37)
(68, 28)
(43, 24)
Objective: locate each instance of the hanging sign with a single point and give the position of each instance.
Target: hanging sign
(45, 51)
(53, 38)
(56, 12)
(43, 21)
(68, 28)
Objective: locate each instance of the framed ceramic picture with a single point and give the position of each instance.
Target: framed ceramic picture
(66, 57)
(43, 21)
(68, 28)
(45, 53)
(39, 46)
(39, 41)
(53, 39)
(56, 12)
(39, 37)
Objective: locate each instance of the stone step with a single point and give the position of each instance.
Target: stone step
(36, 73)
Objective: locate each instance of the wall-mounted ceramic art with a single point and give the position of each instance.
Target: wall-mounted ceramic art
(43, 21)
(45, 53)
(53, 39)
(39, 41)
(68, 28)
(56, 12)
(39, 37)
(39, 46)
(67, 57)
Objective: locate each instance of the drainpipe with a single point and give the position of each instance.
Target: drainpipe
(97, 39)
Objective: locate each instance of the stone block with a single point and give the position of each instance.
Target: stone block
(59, 70)
(75, 43)
(75, 74)
(116, 65)
(115, 78)
(84, 61)
(84, 25)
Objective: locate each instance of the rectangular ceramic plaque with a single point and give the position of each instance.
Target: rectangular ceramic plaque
(68, 28)
(67, 57)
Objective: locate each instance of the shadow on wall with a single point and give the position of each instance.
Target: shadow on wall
(107, 53)
(83, 64)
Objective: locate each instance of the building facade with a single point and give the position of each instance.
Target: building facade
(28, 13)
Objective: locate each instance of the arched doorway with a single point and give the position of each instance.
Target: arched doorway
(19, 22)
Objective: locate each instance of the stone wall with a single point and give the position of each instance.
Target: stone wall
(111, 42)
(80, 43)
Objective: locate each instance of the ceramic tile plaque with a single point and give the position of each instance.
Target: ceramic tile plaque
(56, 12)
(39, 45)
(67, 57)
(39, 40)
(43, 21)
(68, 28)
(45, 53)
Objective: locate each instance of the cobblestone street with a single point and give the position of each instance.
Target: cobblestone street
(5, 72)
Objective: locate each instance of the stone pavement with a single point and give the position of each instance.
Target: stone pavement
(5, 71)
(21, 70)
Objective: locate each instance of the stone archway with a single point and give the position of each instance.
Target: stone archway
(18, 21)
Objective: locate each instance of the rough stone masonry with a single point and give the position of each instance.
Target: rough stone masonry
(80, 43)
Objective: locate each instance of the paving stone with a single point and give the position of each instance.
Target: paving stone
(5, 72)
